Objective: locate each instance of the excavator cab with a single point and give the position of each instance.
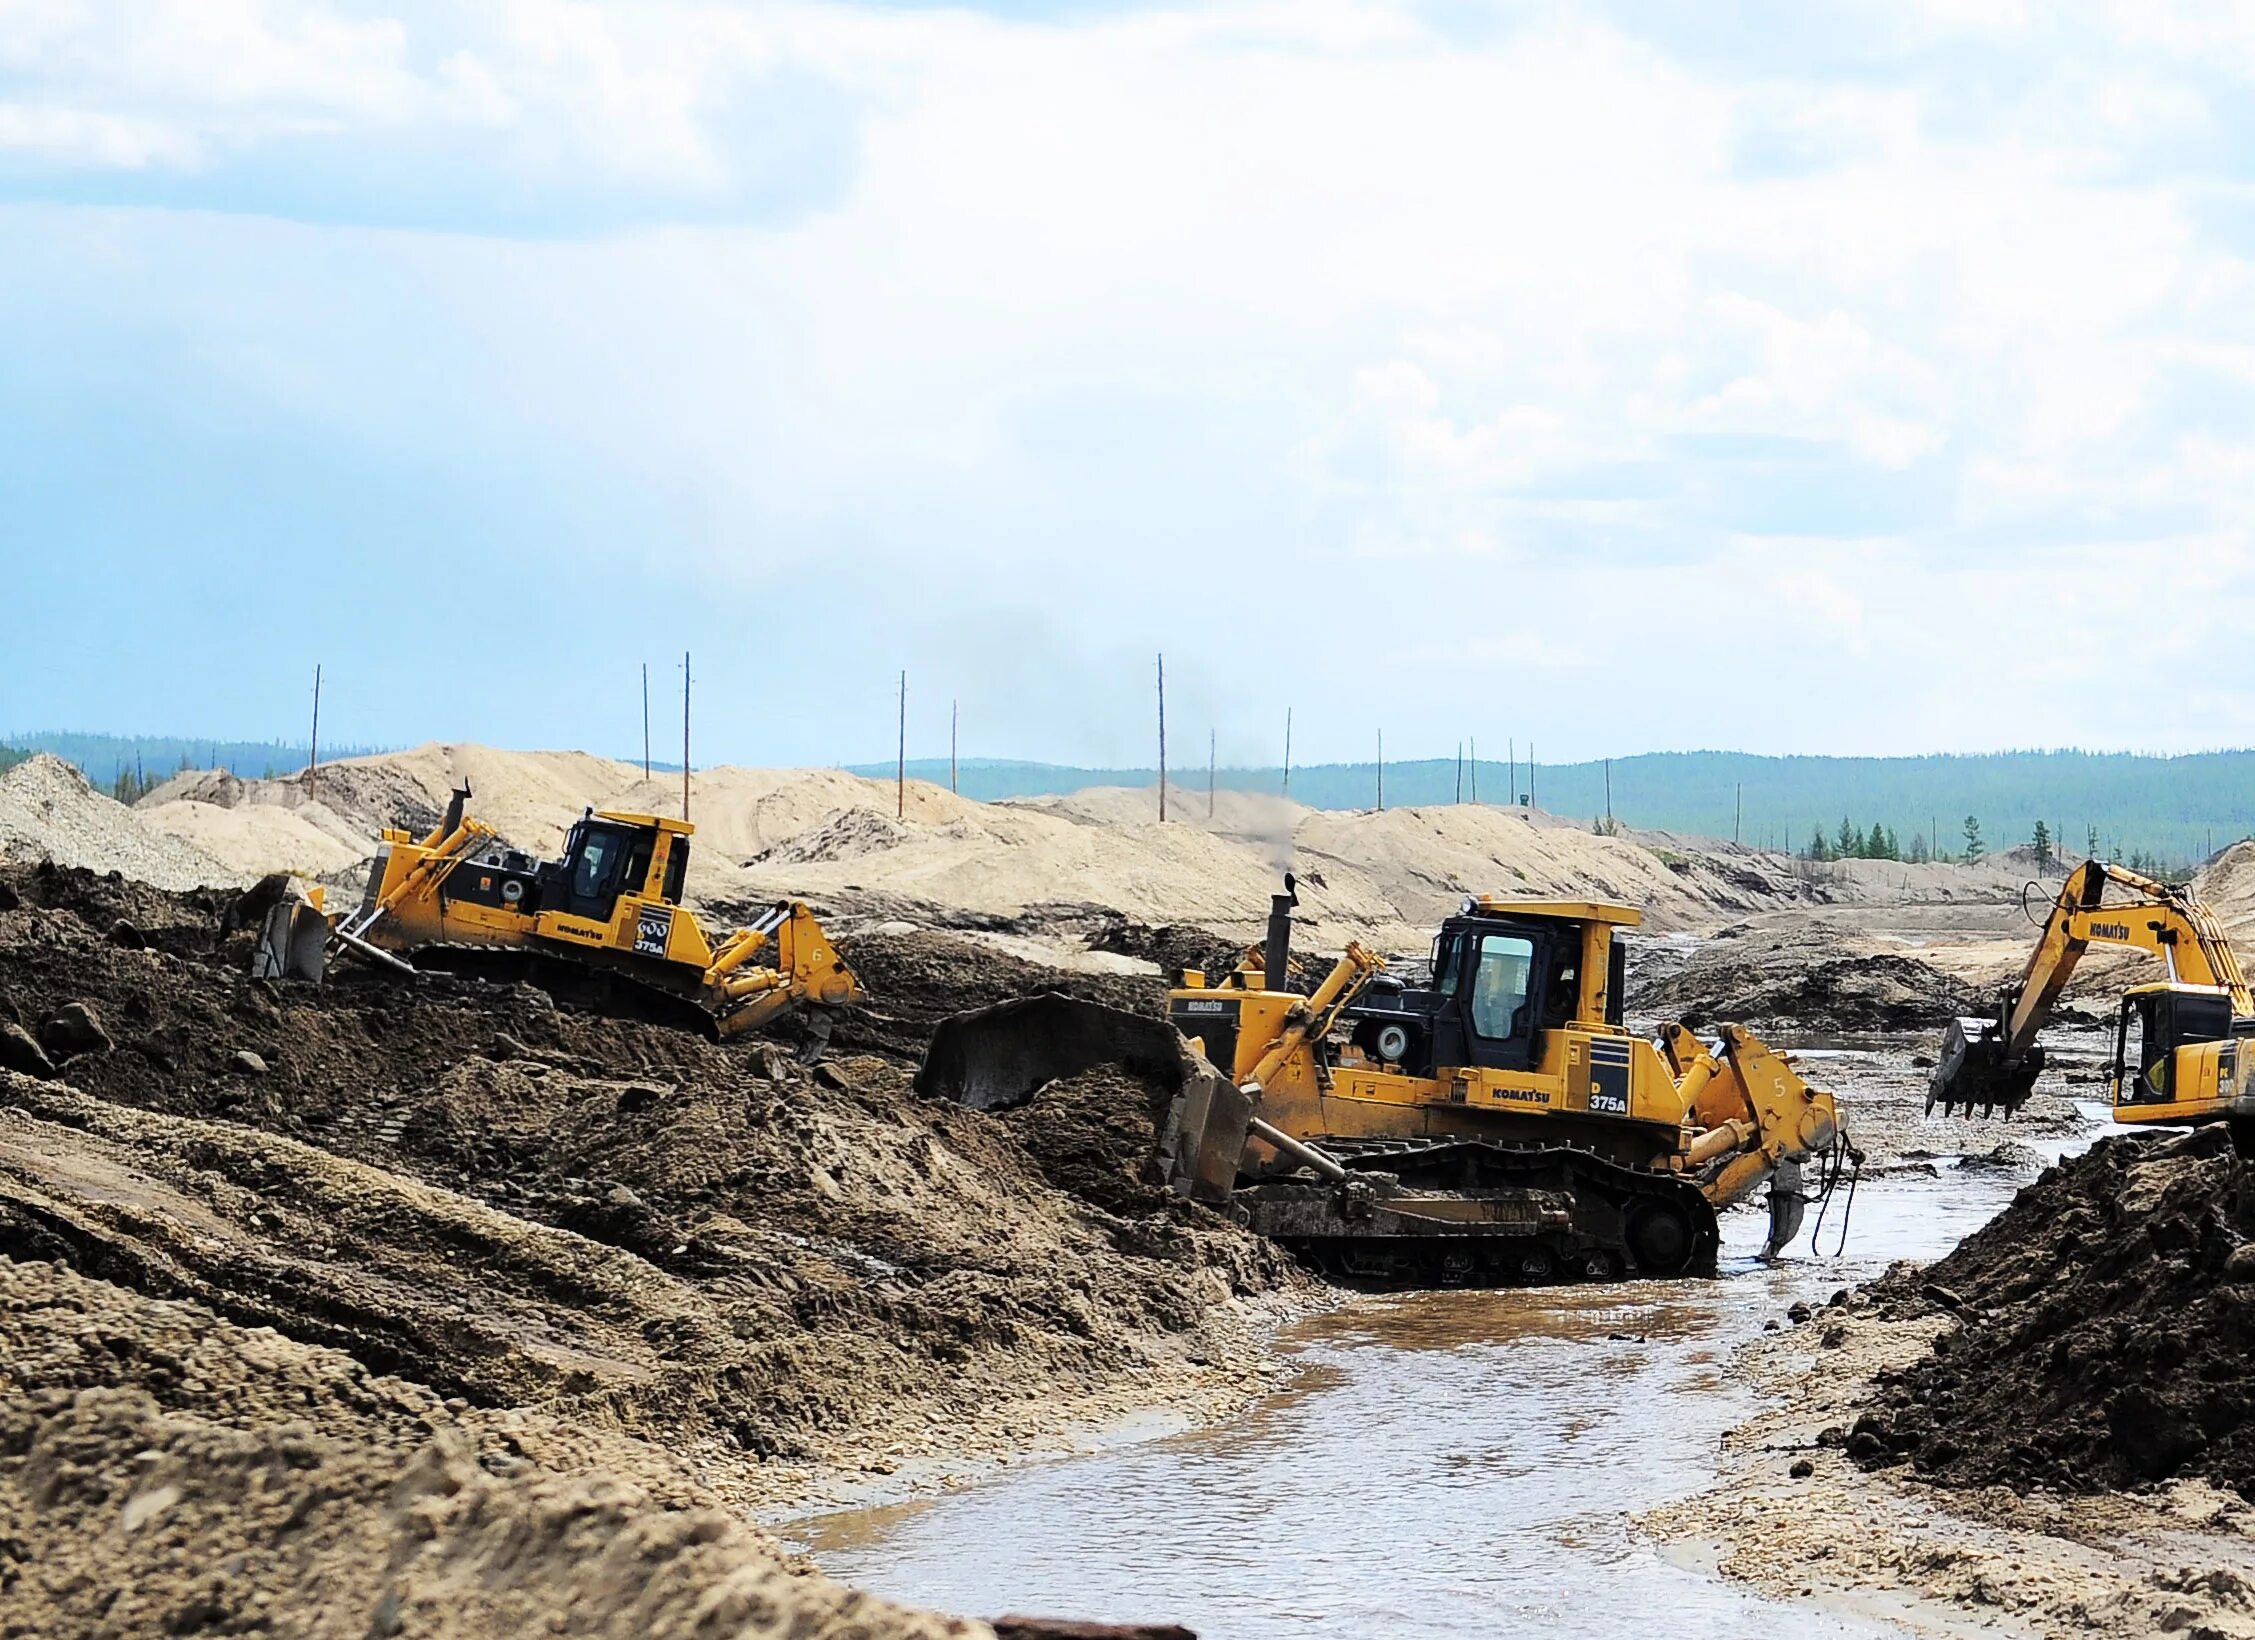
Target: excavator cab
(2156, 1025)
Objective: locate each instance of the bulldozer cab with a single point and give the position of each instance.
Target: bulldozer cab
(1503, 975)
(607, 855)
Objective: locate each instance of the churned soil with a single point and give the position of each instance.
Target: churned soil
(2101, 1337)
(674, 1270)
(1811, 979)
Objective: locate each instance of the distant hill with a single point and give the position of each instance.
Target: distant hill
(2177, 808)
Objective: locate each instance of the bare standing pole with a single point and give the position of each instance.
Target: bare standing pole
(1475, 769)
(1381, 771)
(1287, 751)
(645, 720)
(1511, 764)
(954, 717)
(900, 767)
(1609, 791)
(1738, 814)
(1460, 771)
(685, 734)
(313, 753)
(1210, 743)
(1162, 740)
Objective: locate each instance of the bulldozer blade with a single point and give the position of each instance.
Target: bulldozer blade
(999, 1057)
(1973, 1071)
(292, 941)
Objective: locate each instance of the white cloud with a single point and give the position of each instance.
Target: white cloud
(1308, 308)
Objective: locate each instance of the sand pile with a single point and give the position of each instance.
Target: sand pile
(1000, 860)
(165, 1472)
(48, 811)
(840, 840)
(2228, 886)
(1809, 979)
(2108, 1334)
(254, 839)
(1425, 860)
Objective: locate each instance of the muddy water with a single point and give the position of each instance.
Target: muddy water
(1456, 1463)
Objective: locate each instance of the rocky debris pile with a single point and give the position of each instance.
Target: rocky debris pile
(1814, 979)
(164, 1472)
(2106, 1337)
(916, 979)
(1169, 947)
(48, 811)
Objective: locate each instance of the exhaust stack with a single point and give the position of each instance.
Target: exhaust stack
(1276, 960)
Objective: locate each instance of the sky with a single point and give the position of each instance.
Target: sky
(1868, 378)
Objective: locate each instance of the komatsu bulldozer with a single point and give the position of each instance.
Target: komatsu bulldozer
(2182, 1053)
(603, 924)
(1494, 1124)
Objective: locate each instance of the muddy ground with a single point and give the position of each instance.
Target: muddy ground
(2047, 1430)
(636, 1251)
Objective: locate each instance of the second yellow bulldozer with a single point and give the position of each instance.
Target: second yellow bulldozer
(602, 924)
(1496, 1123)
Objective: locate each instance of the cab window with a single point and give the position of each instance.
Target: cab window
(1500, 984)
(598, 858)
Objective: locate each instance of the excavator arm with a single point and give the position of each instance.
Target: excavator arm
(1993, 1061)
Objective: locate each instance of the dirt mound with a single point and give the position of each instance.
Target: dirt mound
(1170, 947)
(1810, 980)
(2108, 1333)
(48, 811)
(164, 1472)
(1093, 1135)
(915, 980)
(526, 1206)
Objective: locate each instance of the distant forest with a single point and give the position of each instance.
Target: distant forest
(2167, 812)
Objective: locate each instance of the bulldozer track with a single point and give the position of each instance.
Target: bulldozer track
(591, 985)
(1477, 1213)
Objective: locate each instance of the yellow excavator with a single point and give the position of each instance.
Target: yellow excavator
(2177, 1041)
(1495, 1124)
(603, 925)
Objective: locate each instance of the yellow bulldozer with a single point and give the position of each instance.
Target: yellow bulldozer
(602, 925)
(1495, 1123)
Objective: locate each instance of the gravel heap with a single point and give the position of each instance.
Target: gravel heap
(49, 811)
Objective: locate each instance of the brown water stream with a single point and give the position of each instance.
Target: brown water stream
(1447, 1463)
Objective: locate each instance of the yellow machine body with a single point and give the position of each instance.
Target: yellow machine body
(1540, 1054)
(2192, 1053)
(612, 902)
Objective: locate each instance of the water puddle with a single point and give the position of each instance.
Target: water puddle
(1452, 1463)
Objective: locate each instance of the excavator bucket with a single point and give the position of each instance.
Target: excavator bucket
(1974, 1071)
(996, 1058)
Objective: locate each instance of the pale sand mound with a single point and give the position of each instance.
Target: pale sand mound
(258, 838)
(49, 811)
(1002, 859)
(164, 1471)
